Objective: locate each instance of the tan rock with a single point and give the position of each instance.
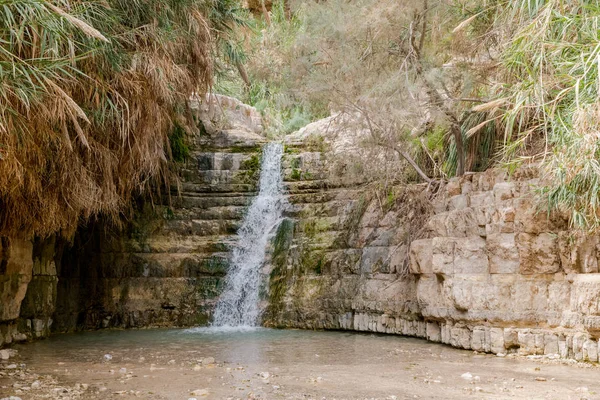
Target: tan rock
(470, 256)
(503, 253)
(442, 260)
(17, 257)
(421, 256)
(578, 252)
(538, 254)
(453, 187)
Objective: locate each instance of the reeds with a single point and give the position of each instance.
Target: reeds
(552, 89)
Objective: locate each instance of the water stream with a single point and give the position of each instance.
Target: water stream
(279, 364)
(238, 305)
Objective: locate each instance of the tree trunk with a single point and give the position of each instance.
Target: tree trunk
(434, 96)
(412, 162)
(265, 12)
(243, 74)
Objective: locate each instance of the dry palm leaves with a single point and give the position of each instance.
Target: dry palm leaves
(89, 91)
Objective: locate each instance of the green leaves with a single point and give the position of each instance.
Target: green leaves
(552, 85)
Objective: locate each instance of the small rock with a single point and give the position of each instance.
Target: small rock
(11, 366)
(581, 389)
(467, 376)
(208, 360)
(102, 389)
(200, 392)
(478, 389)
(36, 385)
(123, 371)
(4, 354)
(107, 357)
(500, 355)
(264, 375)
(171, 362)
(540, 379)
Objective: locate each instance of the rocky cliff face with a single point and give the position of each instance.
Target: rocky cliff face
(476, 266)
(16, 265)
(167, 270)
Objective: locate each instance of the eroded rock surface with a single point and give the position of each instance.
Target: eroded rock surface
(479, 268)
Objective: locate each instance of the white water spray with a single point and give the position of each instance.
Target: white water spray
(238, 304)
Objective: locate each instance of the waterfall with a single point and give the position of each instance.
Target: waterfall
(238, 304)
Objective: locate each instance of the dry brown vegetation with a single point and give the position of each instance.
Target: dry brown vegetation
(89, 91)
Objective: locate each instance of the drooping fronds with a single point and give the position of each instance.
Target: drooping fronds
(552, 91)
(89, 91)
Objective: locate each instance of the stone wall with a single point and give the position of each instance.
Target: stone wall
(480, 268)
(342, 255)
(495, 274)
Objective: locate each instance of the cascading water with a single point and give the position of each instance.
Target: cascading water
(238, 304)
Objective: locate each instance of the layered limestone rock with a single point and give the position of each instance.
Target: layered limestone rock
(340, 260)
(496, 274)
(479, 268)
(16, 269)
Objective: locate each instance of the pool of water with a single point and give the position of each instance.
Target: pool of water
(284, 364)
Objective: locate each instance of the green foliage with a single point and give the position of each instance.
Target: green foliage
(179, 148)
(249, 170)
(296, 174)
(550, 99)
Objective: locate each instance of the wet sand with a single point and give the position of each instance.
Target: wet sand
(272, 364)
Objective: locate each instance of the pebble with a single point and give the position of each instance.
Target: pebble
(467, 376)
(36, 385)
(208, 360)
(540, 379)
(107, 357)
(200, 392)
(4, 354)
(123, 371)
(11, 366)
